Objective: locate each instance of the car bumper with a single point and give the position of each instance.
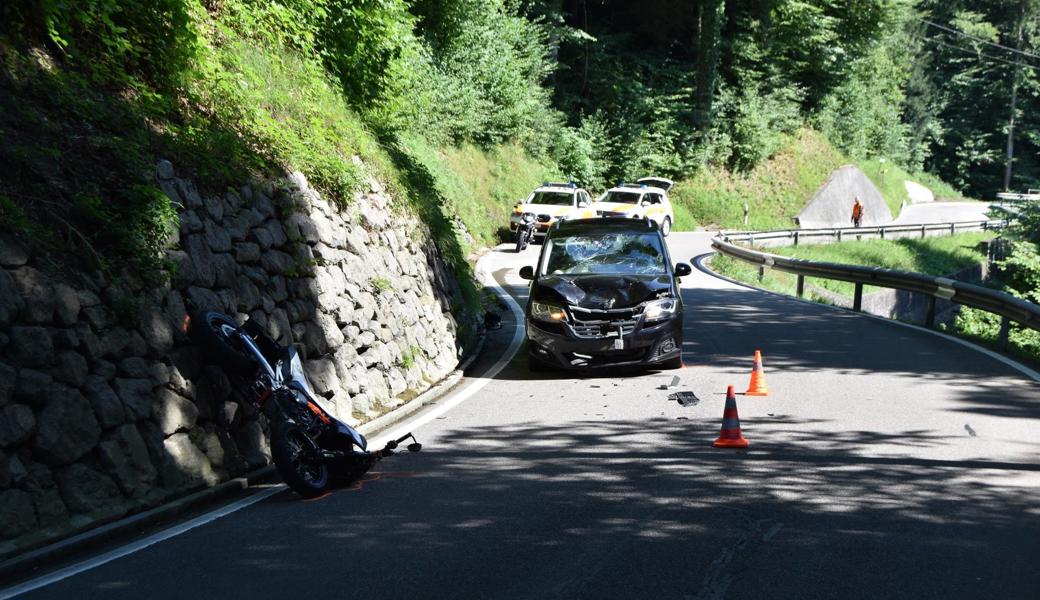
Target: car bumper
(557, 345)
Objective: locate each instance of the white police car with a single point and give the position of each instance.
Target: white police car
(551, 202)
(646, 198)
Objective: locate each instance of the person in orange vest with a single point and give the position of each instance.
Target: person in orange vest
(857, 213)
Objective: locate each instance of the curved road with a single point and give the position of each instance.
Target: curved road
(888, 462)
(941, 212)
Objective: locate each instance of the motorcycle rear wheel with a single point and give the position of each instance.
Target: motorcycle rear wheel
(289, 447)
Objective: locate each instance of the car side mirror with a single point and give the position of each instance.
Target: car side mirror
(528, 272)
(644, 203)
(682, 269)
(583, 204)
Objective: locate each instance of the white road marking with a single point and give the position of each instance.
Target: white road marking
(478, 382)
(97, 561)
(421, 419)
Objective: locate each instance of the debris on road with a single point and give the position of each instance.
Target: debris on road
(672, 384)
(684, 398)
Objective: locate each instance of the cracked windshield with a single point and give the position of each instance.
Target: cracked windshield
(610, 253)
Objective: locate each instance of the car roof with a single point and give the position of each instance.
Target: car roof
(636, 187)
(659, 182)
(556, 188)
(603, 224)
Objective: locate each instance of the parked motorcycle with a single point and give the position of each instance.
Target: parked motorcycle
(526, 227)
(525, 231)
(310, 447)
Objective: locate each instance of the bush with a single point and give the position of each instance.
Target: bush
(862, 116)
(754, 124)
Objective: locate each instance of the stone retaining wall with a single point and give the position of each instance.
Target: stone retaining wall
(104, 406)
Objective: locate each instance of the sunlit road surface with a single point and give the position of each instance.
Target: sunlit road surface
(942, 212)
(886, 462)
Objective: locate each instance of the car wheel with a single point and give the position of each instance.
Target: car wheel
(666, 226)
(536, 366)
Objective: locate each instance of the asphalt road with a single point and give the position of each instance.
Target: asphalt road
(887, 462)
(939, 212)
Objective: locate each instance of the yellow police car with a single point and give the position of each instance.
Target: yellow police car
(646, 198)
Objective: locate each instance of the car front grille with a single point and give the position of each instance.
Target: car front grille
(598, 324)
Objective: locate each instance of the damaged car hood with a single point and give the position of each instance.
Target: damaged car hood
(602, 291)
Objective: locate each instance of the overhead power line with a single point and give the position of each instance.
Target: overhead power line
(978, 39)
(978, 54)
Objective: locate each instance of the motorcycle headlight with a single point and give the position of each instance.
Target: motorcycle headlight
(661, 309)
(547, 312)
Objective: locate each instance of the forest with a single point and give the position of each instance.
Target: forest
(593, 90)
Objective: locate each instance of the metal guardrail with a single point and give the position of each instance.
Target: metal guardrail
(975, 296)
(796, 236)
(1029, 196)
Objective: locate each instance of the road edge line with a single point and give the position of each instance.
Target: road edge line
(478, 382)
(125, 550)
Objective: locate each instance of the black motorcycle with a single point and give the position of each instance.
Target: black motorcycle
(310, 447)
(525, 231)
(526, 227)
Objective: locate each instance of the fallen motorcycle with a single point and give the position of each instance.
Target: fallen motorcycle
(311, 448)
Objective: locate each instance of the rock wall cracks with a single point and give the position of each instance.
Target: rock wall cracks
(104, 406)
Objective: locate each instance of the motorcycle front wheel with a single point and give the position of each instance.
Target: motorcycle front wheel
(293, 453)
(218, 335)
(521, 241)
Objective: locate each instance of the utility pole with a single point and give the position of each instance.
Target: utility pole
(1014, 98)
(708, 28)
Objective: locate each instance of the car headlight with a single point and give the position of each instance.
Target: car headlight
(661, 309)
(547, 312)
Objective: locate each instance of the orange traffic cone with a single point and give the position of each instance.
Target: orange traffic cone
(758, 378)
(730, 436)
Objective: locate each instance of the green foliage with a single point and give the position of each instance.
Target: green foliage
(775, 190)
(753, 125)
(56, 131)
(862, 115)
(963, 90)
(479, 186)
(460, 106)
(111, 41)
(1020, 271)
(381, 284)
(1019, 275)
(409, 356)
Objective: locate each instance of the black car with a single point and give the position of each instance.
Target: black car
(604, 292)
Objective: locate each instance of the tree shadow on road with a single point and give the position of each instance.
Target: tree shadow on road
(648, 508)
